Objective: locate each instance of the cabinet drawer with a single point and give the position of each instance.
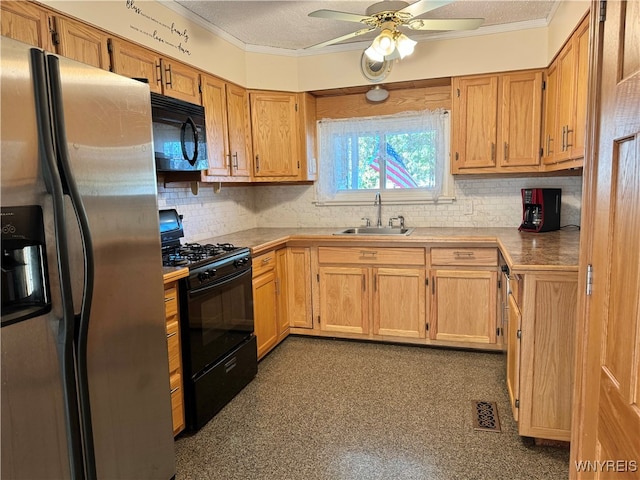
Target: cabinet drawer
(371, 255)
(177, 410)
(263, 263)
(486, 257)
(173, 345)
(171, 300)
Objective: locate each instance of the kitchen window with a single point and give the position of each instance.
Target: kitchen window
(404, 156)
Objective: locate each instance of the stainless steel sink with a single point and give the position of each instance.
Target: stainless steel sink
(375, 231)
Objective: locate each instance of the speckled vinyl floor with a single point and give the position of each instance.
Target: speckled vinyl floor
(338, 410)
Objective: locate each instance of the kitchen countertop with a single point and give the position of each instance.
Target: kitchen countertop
(171, 274)
(523, 251)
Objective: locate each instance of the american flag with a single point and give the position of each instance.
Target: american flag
(396, 170)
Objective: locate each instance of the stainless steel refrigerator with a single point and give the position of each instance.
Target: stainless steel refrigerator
(84, 366)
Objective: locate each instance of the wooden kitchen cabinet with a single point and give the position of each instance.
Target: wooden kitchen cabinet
(464, 293)
(496, 123)
(298, 287)
(283, 136)
(228, 130)
(565, 103)
(372, 292)
(165, 75)
(514, 332)
(172, 313)
(542, 318)
(344, 299)
(26, 22)
(82, 42)
(399, 302)
(270, 317)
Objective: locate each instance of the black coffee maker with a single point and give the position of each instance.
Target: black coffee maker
(540, 209)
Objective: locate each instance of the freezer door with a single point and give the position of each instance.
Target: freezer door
(109, 143)
(33, 430)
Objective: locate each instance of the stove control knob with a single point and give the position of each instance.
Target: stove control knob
(240, 262)
(212, 272)
(202, 276)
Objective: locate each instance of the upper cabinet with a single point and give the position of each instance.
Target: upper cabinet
(81, 42)
(496, 123)
(228, 130)
(283, 136)
(25, 22)
(274, 134)
(565, 103)
(165, 76)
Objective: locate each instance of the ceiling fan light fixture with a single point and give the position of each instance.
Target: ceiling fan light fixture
(384, 43)
(405, 45)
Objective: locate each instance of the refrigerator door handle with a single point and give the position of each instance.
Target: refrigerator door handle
(67, 324)
(68, 181)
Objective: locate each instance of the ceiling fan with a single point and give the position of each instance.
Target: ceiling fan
(389, 16)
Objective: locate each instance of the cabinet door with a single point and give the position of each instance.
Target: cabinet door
(275, 138)
(547, 351)
(579, 125)
(520, 119)
(82, 43)
(550, 143)
(344, 299)
(214, 100)
(25, 22)
(513, 354)
(308, 137)
(238, 118)
(475, 118)
(281, 294)
(265, 312)
(134, 61)
(464, 306)
(180, 81)
(298, 287)
(399, 299)
(566, 85)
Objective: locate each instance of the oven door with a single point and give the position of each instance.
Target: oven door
(219, 318)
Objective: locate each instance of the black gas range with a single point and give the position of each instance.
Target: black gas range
(207, 263)
(219, 352)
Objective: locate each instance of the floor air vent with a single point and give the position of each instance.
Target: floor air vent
(485, 416)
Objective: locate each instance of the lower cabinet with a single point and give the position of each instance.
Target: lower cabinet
(271, 322)
(297, 287)
(542, 318)
(372, 292)
(464, 289)
(172, 313)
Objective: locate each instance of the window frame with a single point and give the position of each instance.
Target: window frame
(393, 196)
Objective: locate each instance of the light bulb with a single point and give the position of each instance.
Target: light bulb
(374, 55)
(383, 43)
(405, 45)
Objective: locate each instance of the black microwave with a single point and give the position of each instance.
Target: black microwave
(179, 135)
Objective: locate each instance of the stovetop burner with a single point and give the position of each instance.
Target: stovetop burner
(194, 254)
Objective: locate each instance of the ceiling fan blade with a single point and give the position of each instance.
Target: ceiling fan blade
(442, 24)
(422, 6)
(343, 37)
(345, 16)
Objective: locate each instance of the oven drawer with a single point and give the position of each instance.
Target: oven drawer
(478, 256)
(372, 255)
(263, 263)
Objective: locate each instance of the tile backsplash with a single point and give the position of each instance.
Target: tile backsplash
(478, 203)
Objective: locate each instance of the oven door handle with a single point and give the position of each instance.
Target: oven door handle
(231, 278)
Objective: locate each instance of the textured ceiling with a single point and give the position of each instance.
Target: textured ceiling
(286, 24)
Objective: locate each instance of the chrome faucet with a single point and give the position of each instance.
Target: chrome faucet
(378, 202)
